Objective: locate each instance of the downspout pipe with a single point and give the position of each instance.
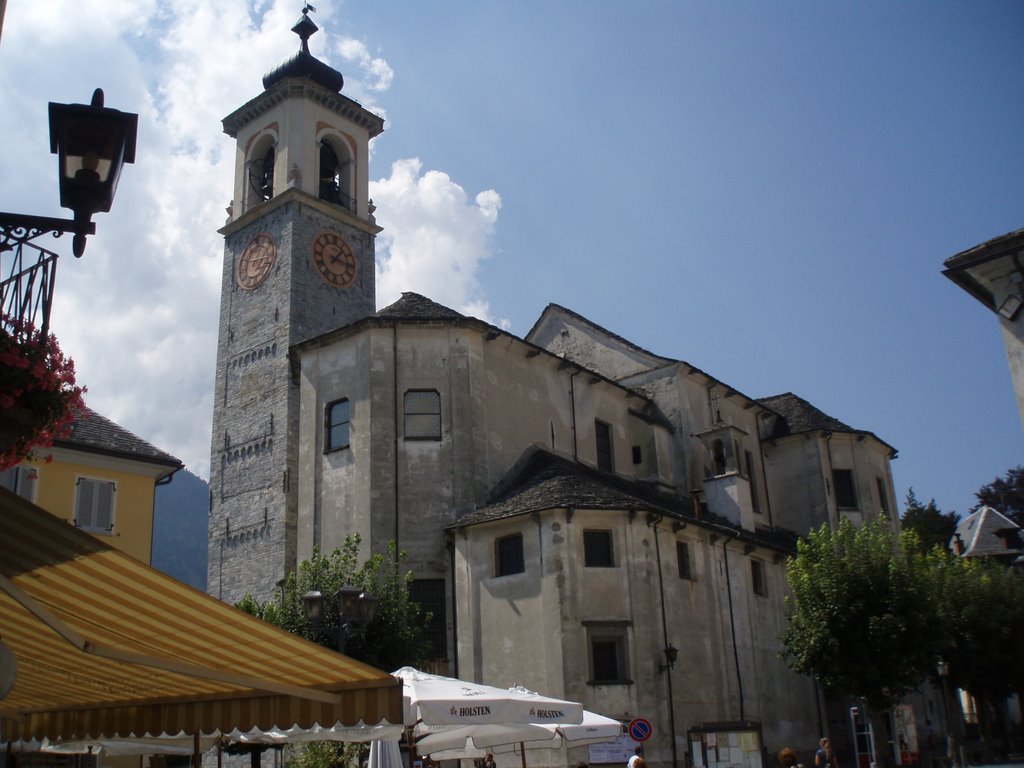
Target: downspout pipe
(398, 410)
(572, 408)
(653, 519)
(732, 622)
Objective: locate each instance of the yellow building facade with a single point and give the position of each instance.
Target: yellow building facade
(100, 478)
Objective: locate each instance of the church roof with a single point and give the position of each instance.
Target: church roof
(413, 306)
(987, 533)
(94, 433)
(303, 63)
(542, 480)
(799, 416)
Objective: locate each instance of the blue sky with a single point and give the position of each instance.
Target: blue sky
(765, 190)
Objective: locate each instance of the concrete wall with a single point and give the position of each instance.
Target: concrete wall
(532, 627)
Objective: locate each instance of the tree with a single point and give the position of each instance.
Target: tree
(981, 615)
(932, 526)
(861, 598)
(395, 638)
(1005, 494)
(397, 635)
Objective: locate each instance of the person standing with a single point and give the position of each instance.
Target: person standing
(638, 755)
(825, 757)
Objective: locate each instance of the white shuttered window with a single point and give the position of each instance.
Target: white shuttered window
(94, 504)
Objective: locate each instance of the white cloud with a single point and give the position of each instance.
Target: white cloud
(434, 237)
(139, 312)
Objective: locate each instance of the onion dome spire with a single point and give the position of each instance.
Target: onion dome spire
(303, 63)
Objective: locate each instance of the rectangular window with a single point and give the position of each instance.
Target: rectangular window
(20, 480)
(336, 425)
(608, 654)
(683, 558)
(94, 504)
(757, 578)
(846, 492)
(604, 445)
(752, 478)
(422, 414)
(430, 593)
(883, 497)
(508, 555)
(638, 455)
(597, 549)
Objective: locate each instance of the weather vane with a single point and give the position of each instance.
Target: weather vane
(307, 8)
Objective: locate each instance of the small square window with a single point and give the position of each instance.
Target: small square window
(422, 414)
(683, 558)
(607, 646)
(757, 578)
(597, 549)
(94, 504)
(508, 555)
(336, 425)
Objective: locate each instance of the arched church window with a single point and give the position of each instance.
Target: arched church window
(334, 176)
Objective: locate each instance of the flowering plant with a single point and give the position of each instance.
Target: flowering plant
(38, 394)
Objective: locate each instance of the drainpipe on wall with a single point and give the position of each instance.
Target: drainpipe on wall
(732, 621)
(652, 522)
(450, 544)
(572, 406)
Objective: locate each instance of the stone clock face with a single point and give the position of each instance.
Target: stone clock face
(256, 262)
(334, 260)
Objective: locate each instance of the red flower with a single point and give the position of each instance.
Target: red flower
(39, 397)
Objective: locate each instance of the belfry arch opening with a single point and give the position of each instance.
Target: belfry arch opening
(259, 185)
(337, 177)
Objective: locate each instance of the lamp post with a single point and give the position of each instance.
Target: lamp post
(355, 612)
(952, 714)
(92, 144)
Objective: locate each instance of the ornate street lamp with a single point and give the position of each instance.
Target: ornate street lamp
(92, 144)
(355, 612)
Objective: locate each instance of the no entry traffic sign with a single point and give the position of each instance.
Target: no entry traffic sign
(639, 729)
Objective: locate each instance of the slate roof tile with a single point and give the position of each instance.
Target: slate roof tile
(95, 433)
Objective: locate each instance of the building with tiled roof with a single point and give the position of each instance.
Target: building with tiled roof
(99, 477)
(993, 273)
(986, 532)
(582, 516)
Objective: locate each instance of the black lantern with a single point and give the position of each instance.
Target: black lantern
(355, 611)
(671, 654)
(92, 144)
(313, 602)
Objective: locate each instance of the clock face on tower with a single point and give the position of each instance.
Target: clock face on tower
(256, 262)
(334, 260)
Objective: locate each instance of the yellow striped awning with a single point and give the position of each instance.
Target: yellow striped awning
(107, 647)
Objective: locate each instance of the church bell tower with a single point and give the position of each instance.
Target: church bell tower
(298, 262)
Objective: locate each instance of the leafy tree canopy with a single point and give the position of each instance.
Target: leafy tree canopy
(932, 526)
(861, 604)
(1005, 494)
(397, 635)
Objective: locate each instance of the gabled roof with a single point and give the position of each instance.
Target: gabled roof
(657, 361)
(94, 433)
(986, 533)
(799, 416)
(542, 480)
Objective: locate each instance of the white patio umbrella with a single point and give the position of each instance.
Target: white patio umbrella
(476, 740)
(433, 700)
